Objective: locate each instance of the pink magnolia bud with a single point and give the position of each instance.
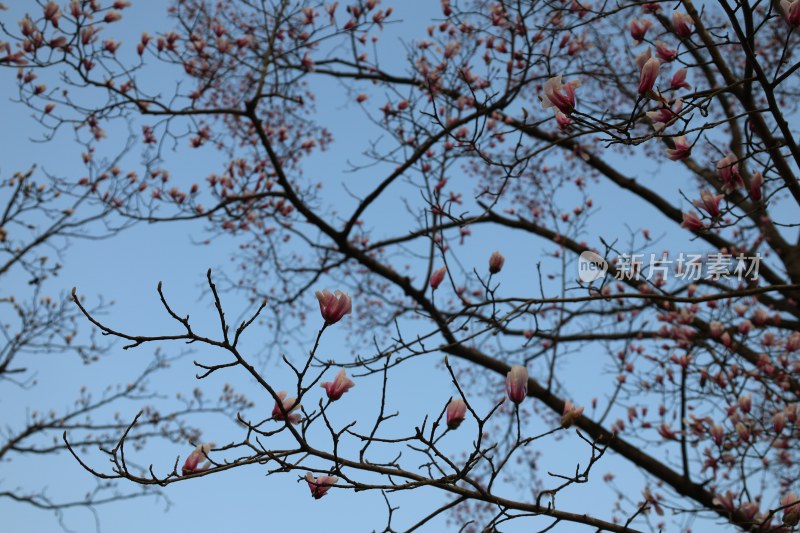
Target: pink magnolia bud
(679, 80)
(682, 24)
(333, 305)
(289, 405)
(778, 422)
(725, 501)
(648, 75)
(716, 328)
(665, 53)
(517, 383)
(692, 222)
(192, 464)
(756, 183)
(682, 149)
(456, 410)
(52, 13)
(437, 277)
(743, 431)
(710, 202)
(793, 342)
(728, 170)
(570, 414)
(338, 386)
(791, 503)
(639, 29)
(791, 11)
(554, 97)
(496, 262)
(320, 485)
(717, 433)
(745, 403)
(642, 58)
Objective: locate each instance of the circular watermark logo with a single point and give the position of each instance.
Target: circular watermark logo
(591, 267)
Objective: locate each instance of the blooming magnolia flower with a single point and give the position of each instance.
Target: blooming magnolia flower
(561, 96)
(661, 118)
(728, 170)
(639, 29)
(437, 277)
(517, 383)
(725, 501)
(192, 464)
(456, 410)
(682, 149)
(716, 328)
(333, 305)
(665, 53)
(679, 80)
(320, 485)
(692, 222)
(496, 262)
(709, 202)
(791, 10)
(682, 24)
(289, 405)
(756, 183)
(340, 384)
(570, 414)
(648, 75)
(791, 513)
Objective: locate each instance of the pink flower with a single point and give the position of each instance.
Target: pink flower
(791, 513)
(289, 405)
(456, 410)
(570, 414)
(554, 97)
(791, 10)
(517, 383)
(662, 117)
(496, 262)
(648, 75)
(778, 422)
(639, 29)
(743, 431)
(682, 149)
(679, 80)
(682, 24)
(725, 501)
(728, 169)
(642, 58)
(562, 120)
(665, 53)
(333, 305)
(710, 202)
(192, 463)
(756, 183)
(692, 222)
(717, 433)
(340, 384)
(52, 13)
(716, 328)
(437, 277)
(745, 403)
(320, 485)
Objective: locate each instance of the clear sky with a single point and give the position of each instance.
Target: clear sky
(127, 268)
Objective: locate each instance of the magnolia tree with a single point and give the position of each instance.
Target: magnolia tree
(493, 129)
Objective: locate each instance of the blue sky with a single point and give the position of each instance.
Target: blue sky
(127, 268)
